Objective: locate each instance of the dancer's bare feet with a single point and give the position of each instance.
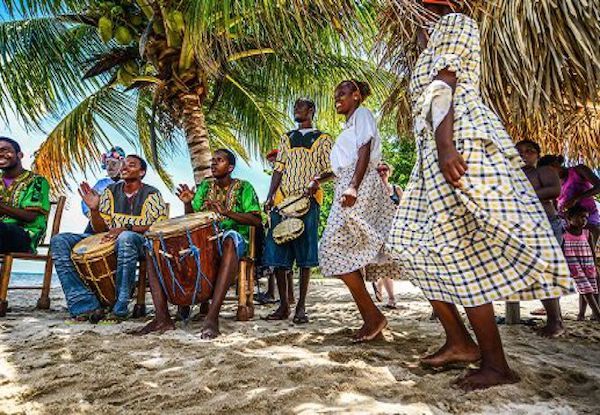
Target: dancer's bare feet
(210, 330)
(484, 378)
(552, 329)
(452, 355)
(371, 329)
(155, 326)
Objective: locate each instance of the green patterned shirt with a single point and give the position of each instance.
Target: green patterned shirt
(31, 192)
(240, 197)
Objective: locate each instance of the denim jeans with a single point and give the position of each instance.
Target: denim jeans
(80, 299)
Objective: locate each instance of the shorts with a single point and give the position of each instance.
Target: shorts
(238, 241)
(304, 250)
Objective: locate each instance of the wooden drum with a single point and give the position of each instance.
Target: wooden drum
(184, 254)
(96, 263)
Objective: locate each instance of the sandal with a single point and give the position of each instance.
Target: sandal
(392, 306)
(378, 294)
(300, 319)
(80, 319)
(112, 319)
(538, 312)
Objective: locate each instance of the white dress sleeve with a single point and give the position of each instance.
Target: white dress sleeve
(365, 127)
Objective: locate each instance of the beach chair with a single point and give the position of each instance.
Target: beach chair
(7, 262)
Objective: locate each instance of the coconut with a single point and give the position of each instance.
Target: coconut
(123, 35)
(105, 29)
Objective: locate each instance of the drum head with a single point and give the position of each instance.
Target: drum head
(288, 230)
(181, 223)
(296, 209)
(93, 245)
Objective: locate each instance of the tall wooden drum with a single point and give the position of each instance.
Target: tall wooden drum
(96, 263)
(184, 254)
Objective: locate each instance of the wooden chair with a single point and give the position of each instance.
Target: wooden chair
(139, 309)
(245, 286)
(7, 262)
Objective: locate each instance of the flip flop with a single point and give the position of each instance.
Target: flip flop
(300, 319)
(378, 335)
(538, 312)
(112, 319)
(391, 306)
(275, 317)
(80, 319)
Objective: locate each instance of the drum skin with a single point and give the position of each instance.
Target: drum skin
(174, 235)
(96, 263)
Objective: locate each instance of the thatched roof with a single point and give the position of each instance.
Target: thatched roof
(541, 67)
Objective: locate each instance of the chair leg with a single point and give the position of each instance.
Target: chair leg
(44, 300)
(139, 310)
(242, 311)
(250, 290)
(4, 280)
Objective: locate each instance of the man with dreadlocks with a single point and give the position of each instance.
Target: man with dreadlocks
(470, 228)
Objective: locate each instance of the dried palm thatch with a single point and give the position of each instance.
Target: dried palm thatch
(541, 66)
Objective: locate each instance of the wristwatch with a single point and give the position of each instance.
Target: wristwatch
(129, 226)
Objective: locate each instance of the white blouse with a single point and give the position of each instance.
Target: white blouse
(358, 130)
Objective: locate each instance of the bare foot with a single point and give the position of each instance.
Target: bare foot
(580, 317)
(484, 378)
(452, 355)
(155, 326)
(210, 330)
(202, 312)
(370, 330)
(279, 314)
(552, 329)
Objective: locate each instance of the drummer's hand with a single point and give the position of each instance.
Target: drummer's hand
(113, 234)
(269, 205)
(90, 197)
(349, 197)
(217, 207)
(184, 193)
(312, 188)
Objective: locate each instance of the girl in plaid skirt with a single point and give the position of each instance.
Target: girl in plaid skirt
(469, 229)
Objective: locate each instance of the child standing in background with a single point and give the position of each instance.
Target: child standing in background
(580, 257)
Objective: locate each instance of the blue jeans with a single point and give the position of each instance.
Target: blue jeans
(238, 242)
(80, 299)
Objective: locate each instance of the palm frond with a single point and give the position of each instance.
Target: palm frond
(75, 143)
(41, 61)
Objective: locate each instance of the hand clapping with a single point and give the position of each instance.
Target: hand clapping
(90, 197)
(184, 193)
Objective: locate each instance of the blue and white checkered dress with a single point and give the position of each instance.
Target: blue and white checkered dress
(490, 239)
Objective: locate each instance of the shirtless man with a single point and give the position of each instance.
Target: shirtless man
(546, 183)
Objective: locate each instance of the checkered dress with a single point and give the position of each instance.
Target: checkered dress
(490, 239)
(355, 236)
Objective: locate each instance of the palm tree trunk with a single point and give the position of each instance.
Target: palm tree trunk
(196, 136)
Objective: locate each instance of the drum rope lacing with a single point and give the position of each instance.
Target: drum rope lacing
(191, 250)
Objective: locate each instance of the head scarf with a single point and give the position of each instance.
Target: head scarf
(116, 153)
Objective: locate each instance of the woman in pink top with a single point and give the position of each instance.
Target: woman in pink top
(579, 186)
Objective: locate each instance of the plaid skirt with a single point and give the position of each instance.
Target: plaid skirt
(354, 237)
(486, 241)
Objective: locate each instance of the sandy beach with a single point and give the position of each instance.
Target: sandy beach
(49, 367)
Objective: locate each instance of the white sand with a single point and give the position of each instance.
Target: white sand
(48, 367)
